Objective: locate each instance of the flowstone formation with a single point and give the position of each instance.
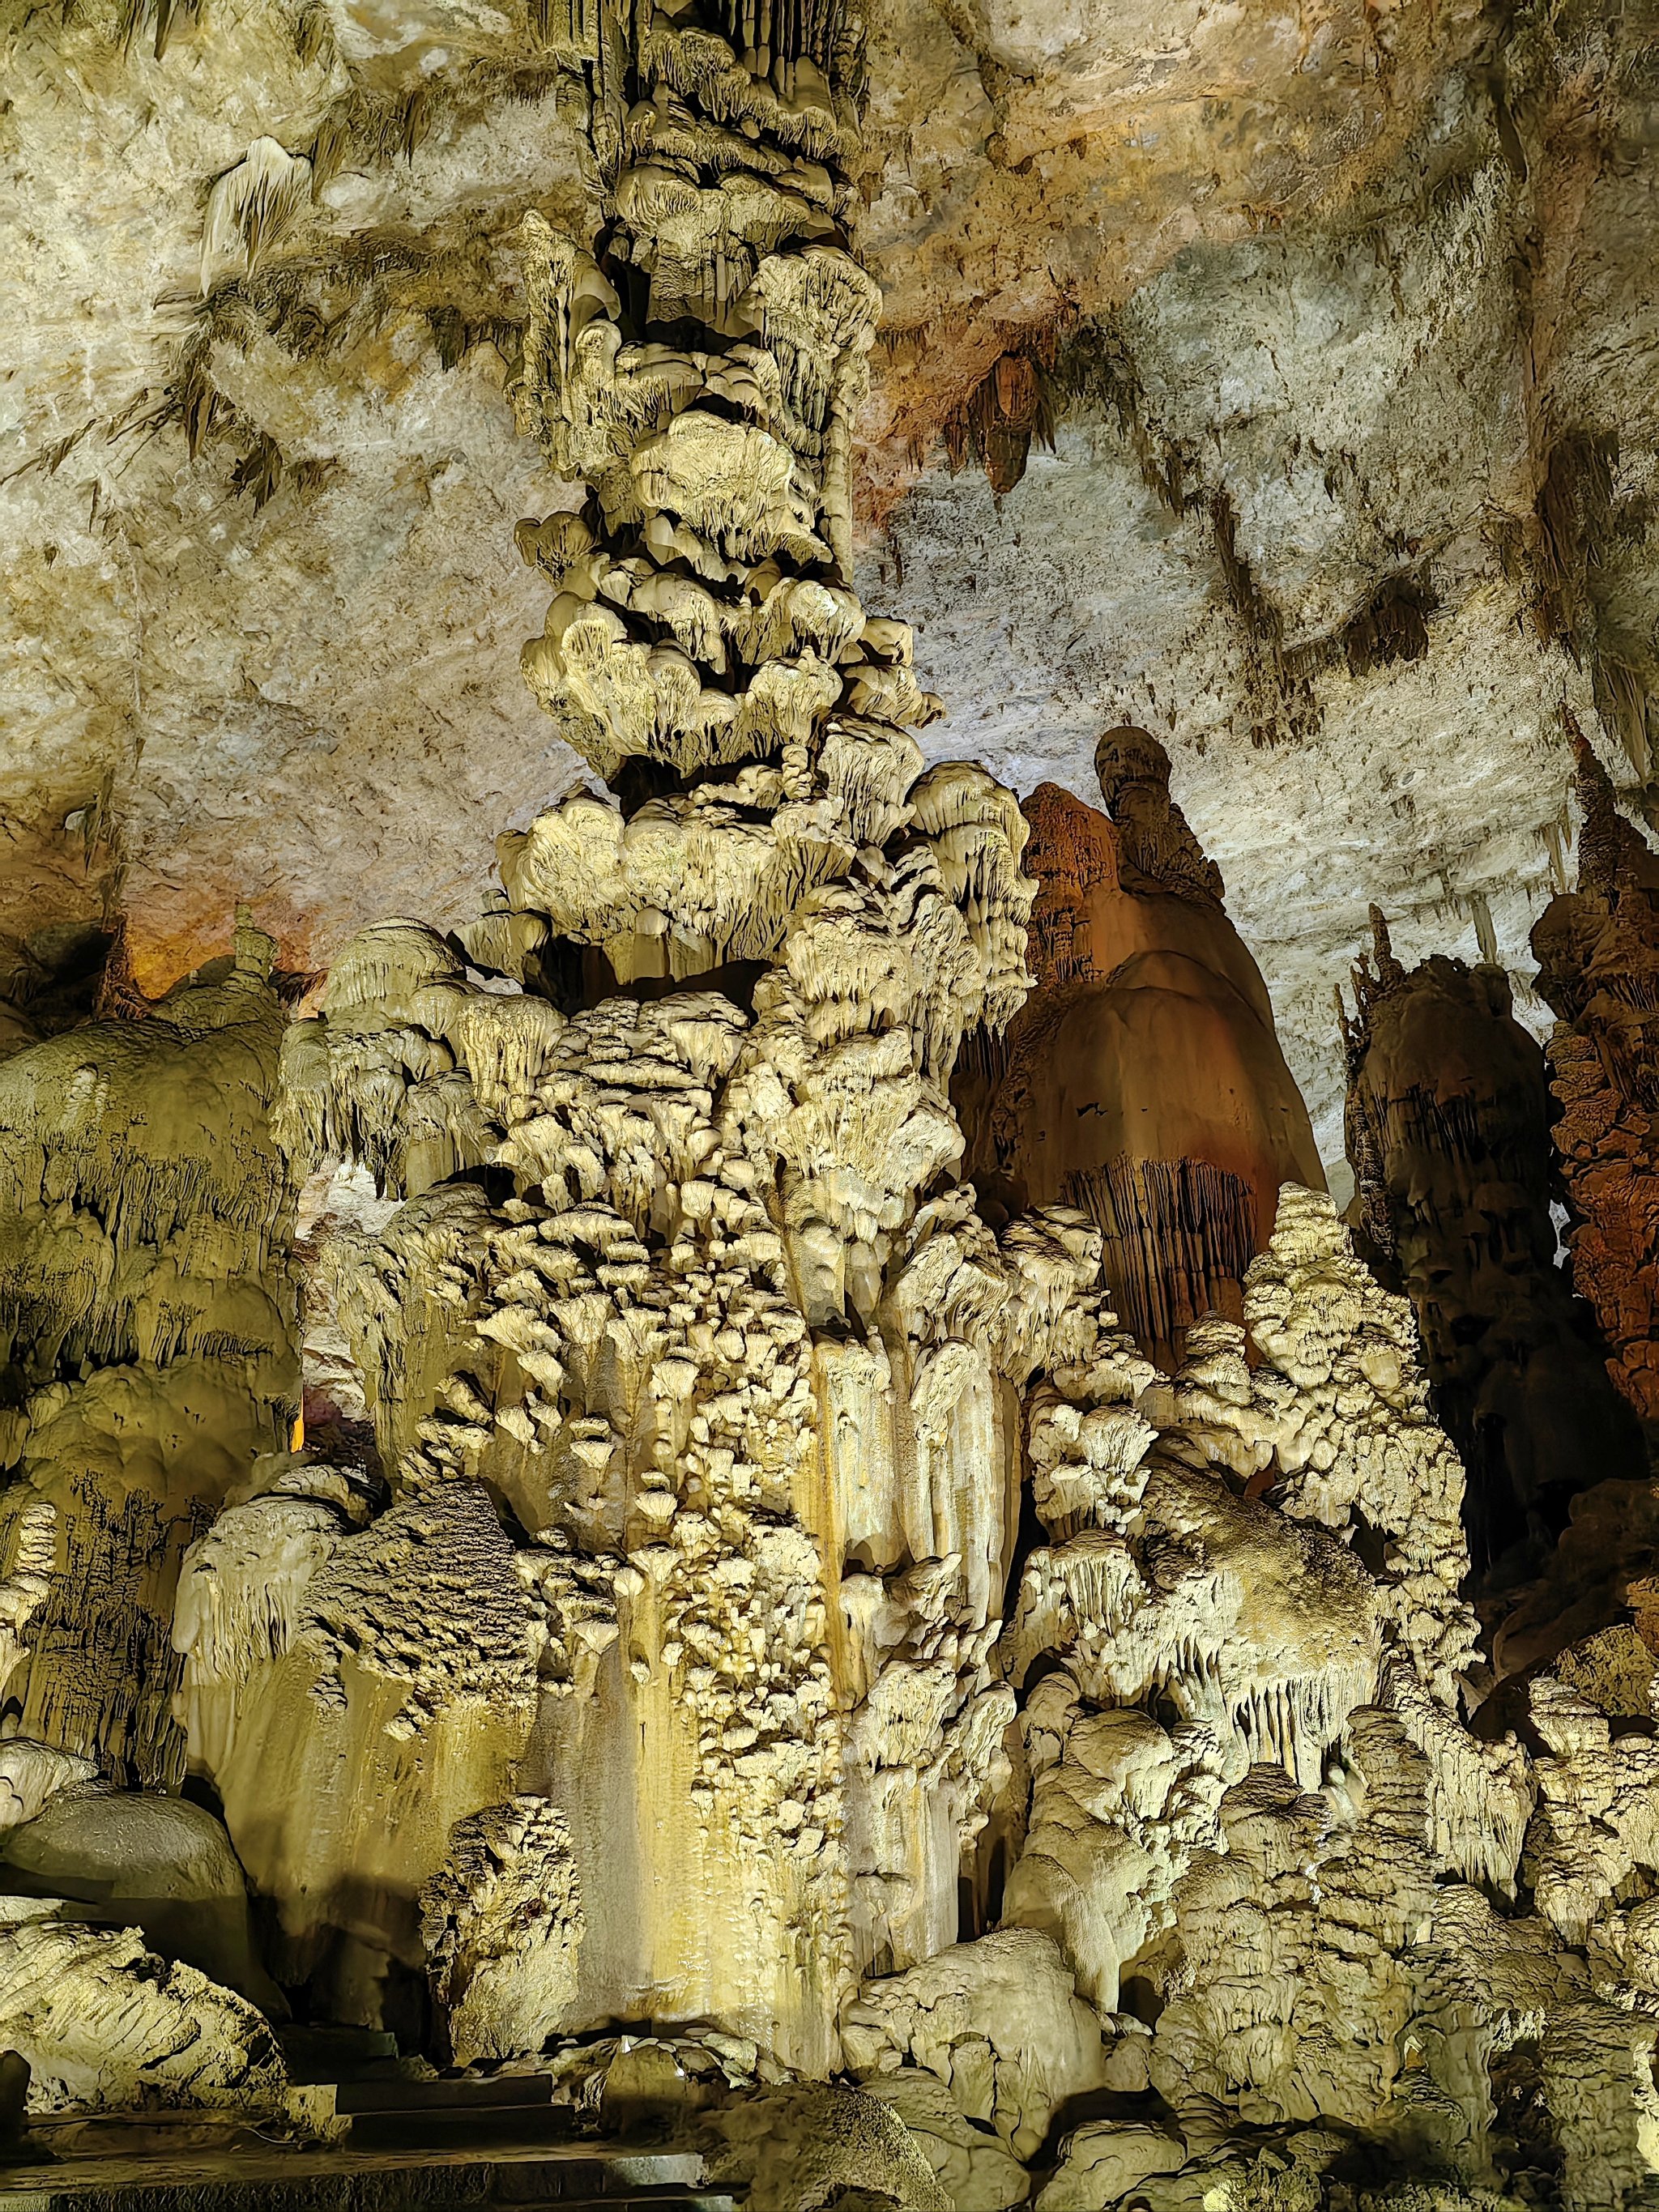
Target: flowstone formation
(148, 1341)
(1448, 1136)
(1597, 948)
(1142, 1081)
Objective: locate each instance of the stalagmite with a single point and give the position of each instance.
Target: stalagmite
(1599, 2084)
(1142, 1081)
(997, 2020)
(501, 1925)
(1448, 1136)
(718, 1333)
(1598, 954)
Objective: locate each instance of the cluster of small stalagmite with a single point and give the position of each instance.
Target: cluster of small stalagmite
(939, 1661)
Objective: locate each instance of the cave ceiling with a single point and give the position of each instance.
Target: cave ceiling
(1280, 378)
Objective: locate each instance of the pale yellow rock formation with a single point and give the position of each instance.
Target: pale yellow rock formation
(734, 1355)
(146, 1308)
(999, 2020)
(361, 1697)
(793, 2148)
(974, 2168)
(1599, 2080)
(30, 1773)
(103, 2022)
(679, 1689)
(161, 1863)
(501, 1925)
(1598, 1809)
(1102, 2163)
(1119, 1808)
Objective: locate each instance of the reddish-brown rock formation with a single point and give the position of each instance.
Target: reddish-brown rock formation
(1448, 1137)
(1142, 1081)
(1598, 954)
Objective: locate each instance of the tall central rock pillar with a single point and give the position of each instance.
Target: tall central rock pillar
(710, 1383)
(698, 362)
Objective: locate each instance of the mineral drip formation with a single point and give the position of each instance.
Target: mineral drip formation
(1598, 954)
(148, 1342)
(1142, 1081)
(1448, 1136)
(789, 1665)
(693, 1372)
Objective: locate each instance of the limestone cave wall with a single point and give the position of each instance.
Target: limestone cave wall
(740, 1468)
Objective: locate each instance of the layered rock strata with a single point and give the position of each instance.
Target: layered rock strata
(1448, 1137)
(1142, 1081)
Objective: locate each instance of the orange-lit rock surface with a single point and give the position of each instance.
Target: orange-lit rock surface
(1598, 955)
(1142, 1082)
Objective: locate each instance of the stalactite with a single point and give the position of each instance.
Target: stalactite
(147, 1314)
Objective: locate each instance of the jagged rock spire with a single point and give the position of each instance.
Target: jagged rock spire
(1155, 841)
(1448, 1134)
(1597, 949)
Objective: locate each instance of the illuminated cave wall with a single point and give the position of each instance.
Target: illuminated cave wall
(783, 1565)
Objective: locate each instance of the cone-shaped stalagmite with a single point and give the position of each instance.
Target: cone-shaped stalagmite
(1142, 1081)
(1448, 1130)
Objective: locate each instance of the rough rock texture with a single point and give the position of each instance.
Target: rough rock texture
(354, 1697)
(766, 1619)
(158, 1863)
(1105, 2160)
(102, 2022)
(1598, 953)
(813, 2147)
(501, 1925)
(999, 2020)
(752, 1626)
(147, 1317)
(1334, 314)
(1448, 1139)
(1142, 1081)
(974, 2169)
